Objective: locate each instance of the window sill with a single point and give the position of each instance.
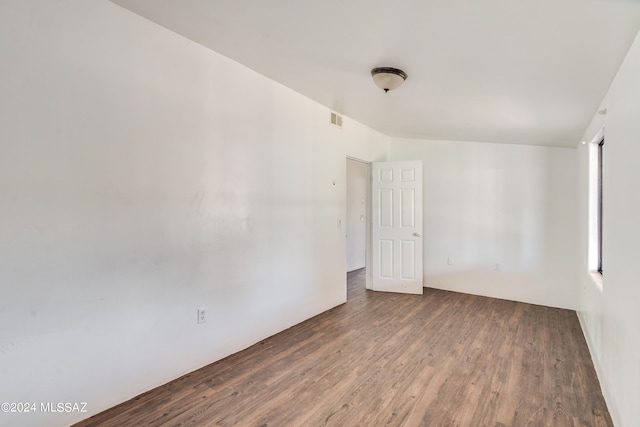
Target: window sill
(596, 278)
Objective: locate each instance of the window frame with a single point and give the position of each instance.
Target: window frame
(600, 160)
(595, 207)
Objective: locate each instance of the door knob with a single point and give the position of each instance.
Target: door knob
(417, 234)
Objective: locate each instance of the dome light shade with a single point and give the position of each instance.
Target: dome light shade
(387, 78)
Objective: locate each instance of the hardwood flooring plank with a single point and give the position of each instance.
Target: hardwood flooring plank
(381, 359)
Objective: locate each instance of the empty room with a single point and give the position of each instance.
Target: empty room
(286, 213)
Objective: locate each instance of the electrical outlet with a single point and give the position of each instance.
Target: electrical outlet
(449, 261)
(202, 315)
(497, 268)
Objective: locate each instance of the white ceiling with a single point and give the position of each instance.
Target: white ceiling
(508, 71)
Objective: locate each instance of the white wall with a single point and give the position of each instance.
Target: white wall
(357, 178)
(610, 314)
(488, 204)
(143, 176)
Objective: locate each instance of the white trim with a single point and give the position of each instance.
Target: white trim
(604, 386)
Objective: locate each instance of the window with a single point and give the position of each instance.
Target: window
(599, 204)
(596, 168)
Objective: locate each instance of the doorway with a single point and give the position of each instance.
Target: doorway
(357, 221)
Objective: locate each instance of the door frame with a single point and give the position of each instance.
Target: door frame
(368, 206)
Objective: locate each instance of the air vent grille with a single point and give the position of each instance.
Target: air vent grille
(336, 119)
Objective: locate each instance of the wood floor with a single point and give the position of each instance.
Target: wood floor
(440, 359)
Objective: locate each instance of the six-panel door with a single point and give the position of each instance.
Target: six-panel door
(397, 227)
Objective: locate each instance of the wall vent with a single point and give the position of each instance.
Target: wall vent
(336, 119)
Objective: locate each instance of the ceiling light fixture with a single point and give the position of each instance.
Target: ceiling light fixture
(387, 78)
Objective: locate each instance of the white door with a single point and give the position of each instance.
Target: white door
(396, 233)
